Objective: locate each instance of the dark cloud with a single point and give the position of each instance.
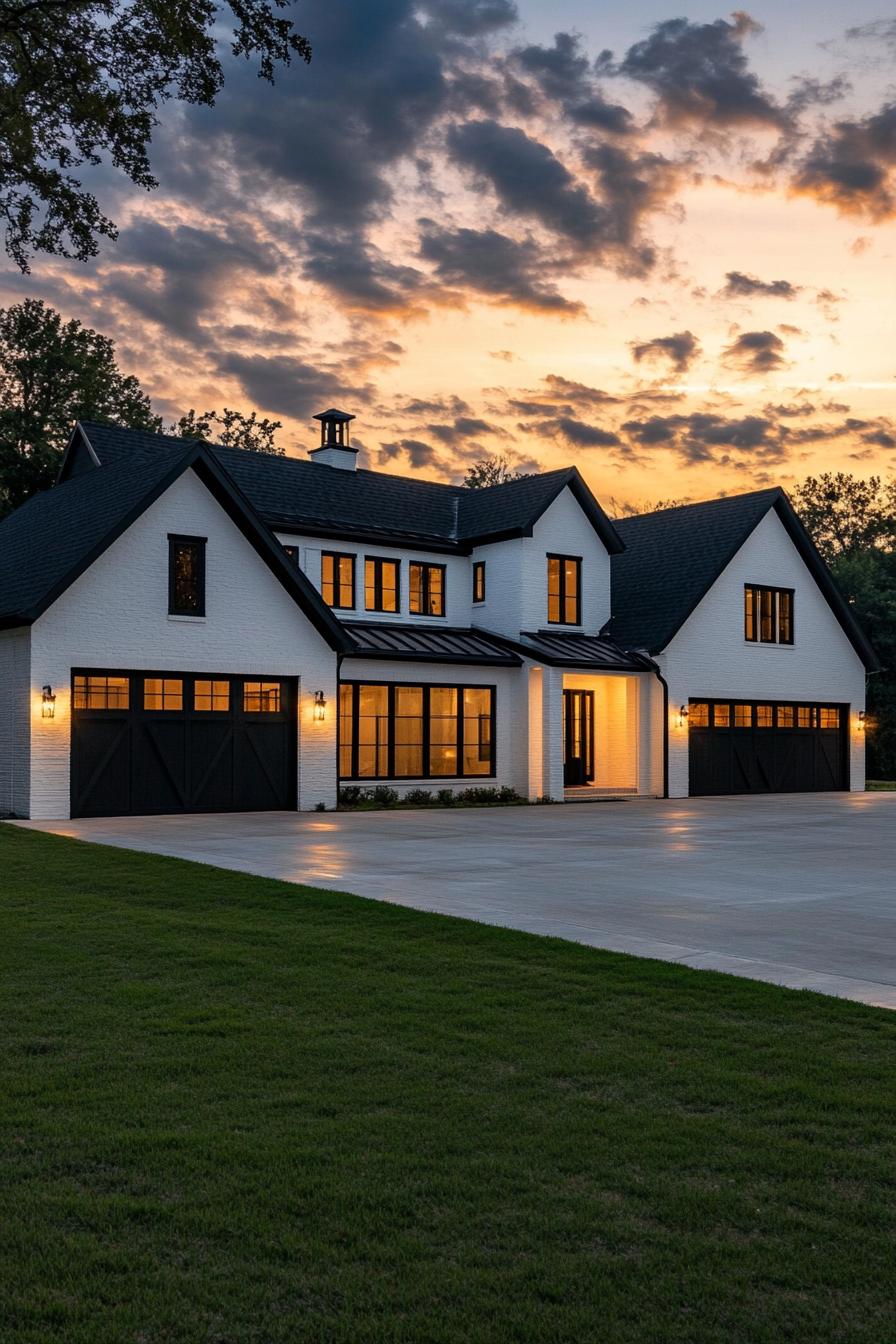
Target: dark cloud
(493, 264)
(699, 73)
(465, 427)
(470, 18)
(680, 350)
(289, 386)
(695, 436)
(578, 432)
(738, 285)
(359, 273)
(852, 166)
(418, 453)
(755, 352)
(563, 73)
(789, 410)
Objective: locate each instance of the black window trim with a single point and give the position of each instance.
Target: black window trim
(555, 555)
(427, 566)
(336, 556)
(478, 573)
(379, 561)
(180, 539)
(426, 687)
(757, 589)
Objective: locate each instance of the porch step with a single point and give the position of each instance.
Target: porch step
(588, 793)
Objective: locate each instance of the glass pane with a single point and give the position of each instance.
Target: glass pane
(211, 696)
(743, 716)
(805, 716)
(698, 715)
(346, 581)
(409, 730)
(101, 693)
(370, 585)
(346, 701)
(186, 577)
(327, 584)
(390, 585)
(436, 591)
(721, 716)
(764, 716)
(750, 613)
(830, 718)
(479, 581)
(373, 730)
(443, 730)
(553, 589)
(159, 693)
(785, 716)
(767, 615)
(261, 697)
(571, 591)
(415, 590)
(477, 759)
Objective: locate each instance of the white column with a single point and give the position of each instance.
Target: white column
(552, 733)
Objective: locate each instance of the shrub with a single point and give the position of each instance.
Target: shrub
(320, 807)
(350, 795)
(418, 798)
(446, 797)
(383, 796)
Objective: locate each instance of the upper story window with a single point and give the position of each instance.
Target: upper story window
(381, 584)
(337, 579)
(426, 589)
(186, 576)
(564, 590)
(478, 580)
(768, 614)
(292, 554)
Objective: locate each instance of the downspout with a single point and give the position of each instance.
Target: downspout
(665, 685)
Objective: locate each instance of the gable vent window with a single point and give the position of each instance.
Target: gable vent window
(186, 576)
(768, 615)
(426, 590)
(478, 580)
(564, 590)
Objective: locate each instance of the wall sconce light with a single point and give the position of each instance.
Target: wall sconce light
(683, 714)
(861, 720)
(48, 703)
(320, 707)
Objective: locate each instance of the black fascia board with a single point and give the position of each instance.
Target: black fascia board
(345, 532)
(464, 660)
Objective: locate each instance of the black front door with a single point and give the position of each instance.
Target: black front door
(578, 737)
(181, 742)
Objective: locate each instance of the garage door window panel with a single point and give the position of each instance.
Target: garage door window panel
(211, 697)
(261, 697)
(101, 692)
(163, 693)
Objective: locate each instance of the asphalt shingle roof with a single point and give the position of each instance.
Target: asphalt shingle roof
(672, 558)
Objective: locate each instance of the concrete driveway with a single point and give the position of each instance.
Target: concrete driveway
(798, 890)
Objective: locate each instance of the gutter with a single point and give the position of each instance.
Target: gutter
(665, 685)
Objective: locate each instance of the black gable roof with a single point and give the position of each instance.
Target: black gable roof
(673, 557)
(295, 494)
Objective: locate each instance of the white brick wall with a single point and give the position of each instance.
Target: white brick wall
(15, 720)
(116, 616)
(710, 657)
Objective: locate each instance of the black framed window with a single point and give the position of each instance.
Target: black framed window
(426, 589)
(337, 579)
(381, 584)
(478, 580)
(768, 614)
(186, 576)
(390, 730)
(292, 554)
(564, 590)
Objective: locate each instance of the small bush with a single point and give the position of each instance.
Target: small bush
(446, 797)
(320, 807)
(418, 798)
(383, 796)
(350, 795)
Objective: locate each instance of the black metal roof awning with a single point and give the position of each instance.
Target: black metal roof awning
(429, 644)
(594, 652)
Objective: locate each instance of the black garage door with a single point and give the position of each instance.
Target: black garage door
(181, 742)
(738, 746)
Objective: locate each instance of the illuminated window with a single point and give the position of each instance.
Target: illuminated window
(101, 693)
(721, 716)
(768, 615)
(389, 731)
(765, 717)
(212, 696)
(380, 584)
(830, 718)
(426, 589)
(186, 576)
(564, 590)
(478, 580)
(337, 579)
(698, 714)
(163, 693)
(806, 717)
(743, 716)
(785, 716)
(261, 697)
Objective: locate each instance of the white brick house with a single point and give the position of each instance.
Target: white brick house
(187, 627)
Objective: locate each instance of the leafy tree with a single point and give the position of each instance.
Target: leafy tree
(492, 471)
(846, 514)
(53, 373)
(232, 429)
(81, 82)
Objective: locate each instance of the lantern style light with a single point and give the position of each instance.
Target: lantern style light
(683, 714)
(48, 703)
(861, 720)
(320, 707)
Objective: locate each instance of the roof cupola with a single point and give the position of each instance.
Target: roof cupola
(335, 446)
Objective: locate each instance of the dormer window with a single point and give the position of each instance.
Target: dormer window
(426, 589)
(337, 579)
(564, 590)
(381, 584)
(186, 576)
(768, 615)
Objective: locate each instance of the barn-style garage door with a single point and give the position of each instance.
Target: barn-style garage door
(739, 746)
(181, 742)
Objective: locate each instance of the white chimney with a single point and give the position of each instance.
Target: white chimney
(335, 449)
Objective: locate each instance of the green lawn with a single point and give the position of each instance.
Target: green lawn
(237, 1110)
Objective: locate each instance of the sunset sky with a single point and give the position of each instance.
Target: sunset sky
(655, 242)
